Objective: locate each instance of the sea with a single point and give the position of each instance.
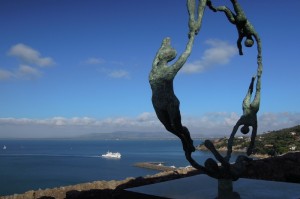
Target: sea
(39, 164)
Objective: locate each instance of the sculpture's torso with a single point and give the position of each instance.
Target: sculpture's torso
(245, 28)
(161, 81)
(249, 115)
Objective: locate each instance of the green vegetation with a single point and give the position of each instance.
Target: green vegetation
(278, 142)
(271, 143)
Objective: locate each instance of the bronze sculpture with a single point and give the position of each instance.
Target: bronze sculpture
(243, 25)
(164, 100)
(249, 117)
(166, 104)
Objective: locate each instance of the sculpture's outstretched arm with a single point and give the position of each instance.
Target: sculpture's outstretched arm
(194, 29)
(239, 11)
(229, 14)
(230, 140)
(258, 43)
(191, 11)
(239, 44)
(201, 7)
(209, 170)
(210, 5)
(184, 56)
(252, 141)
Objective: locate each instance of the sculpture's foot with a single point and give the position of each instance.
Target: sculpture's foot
(188, 149)
(212, 167)
(243, 158)
(227, 158)
(188, 140)
(249, 151)
(192, 148)
(187, 143)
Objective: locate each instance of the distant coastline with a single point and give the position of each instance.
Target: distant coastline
(266, 145)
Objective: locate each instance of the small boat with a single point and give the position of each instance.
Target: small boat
(116, 155)
(4, 147)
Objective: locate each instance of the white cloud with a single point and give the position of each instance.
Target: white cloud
(278, 120)
(29, 55)
(22, 72)
(119, 74)
(5, 74)
(218, 53)
(209, 124)
(94, 61)
(27, 72)
(31, 61)
(107, 70)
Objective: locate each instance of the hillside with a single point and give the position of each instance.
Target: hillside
(270, 143)
(132, 135)
(128, 135)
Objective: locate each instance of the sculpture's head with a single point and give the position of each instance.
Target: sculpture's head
(249, 42)
(245, 129)
(167, 53)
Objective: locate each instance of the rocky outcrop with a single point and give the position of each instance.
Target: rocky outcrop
(103, 189)
(155, 166)
(284, 168)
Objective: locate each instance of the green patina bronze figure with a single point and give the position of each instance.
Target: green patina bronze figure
(249, 117)
(250, 109)
(243, 25)
(161, 77)
(167, 105)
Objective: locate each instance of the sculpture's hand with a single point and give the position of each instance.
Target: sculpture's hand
(241, 52)
(193, 28)
(209, 4)
(249, 150)
(227, 158)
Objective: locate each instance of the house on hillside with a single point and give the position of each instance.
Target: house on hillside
(293, 148)
(293, 133)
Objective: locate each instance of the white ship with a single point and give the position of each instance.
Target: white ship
(116, 155)
(4, 147)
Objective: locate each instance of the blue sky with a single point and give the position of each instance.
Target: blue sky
(76, 67)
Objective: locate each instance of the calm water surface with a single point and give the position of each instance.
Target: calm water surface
(34, 164)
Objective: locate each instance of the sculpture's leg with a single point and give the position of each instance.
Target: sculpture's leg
(252, 141)
(255, 107)
(230, 16)
(164, 118)
(256, 101)
(181, 131)
(247, 99)
(188, 139)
